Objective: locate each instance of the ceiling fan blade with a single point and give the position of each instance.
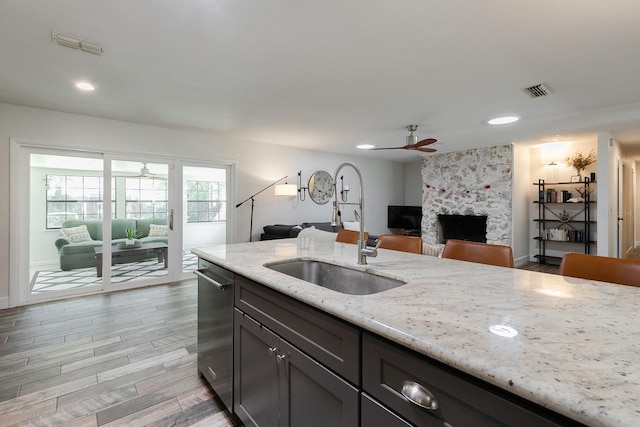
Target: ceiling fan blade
(390, 148)
(427, 141)
(426, 150)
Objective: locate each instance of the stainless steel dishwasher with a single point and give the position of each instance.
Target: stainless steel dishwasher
(215, 329)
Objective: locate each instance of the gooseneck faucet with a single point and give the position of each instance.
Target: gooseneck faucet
(363, 251)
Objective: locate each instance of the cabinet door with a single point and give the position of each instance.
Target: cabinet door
(255, 372)
(313, 396)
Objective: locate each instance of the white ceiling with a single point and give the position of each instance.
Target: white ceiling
(331, 74)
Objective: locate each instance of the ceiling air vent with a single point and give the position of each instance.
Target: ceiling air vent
(537, 91)
(75, 43)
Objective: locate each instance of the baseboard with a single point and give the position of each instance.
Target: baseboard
(4, 303)
(517, 262)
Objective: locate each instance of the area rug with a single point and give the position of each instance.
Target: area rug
(56, 280)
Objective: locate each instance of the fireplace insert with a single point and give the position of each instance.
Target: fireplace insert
(463, 227)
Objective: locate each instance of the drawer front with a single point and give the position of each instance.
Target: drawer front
(330, 341)
(373, 414)
(461, 399)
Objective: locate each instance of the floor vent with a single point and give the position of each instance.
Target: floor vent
(537, 91)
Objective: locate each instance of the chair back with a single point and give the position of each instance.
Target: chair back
(602, 268)
(484, 253)
(350, 236)
(398, 242)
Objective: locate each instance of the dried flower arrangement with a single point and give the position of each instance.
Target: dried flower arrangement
(579, 161)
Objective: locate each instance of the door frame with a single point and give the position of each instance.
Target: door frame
(19, 225)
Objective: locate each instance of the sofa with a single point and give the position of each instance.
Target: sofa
(281, 231)
(75, 247)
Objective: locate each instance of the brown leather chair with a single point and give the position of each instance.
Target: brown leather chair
(602, 268)
(350, 236)
(484, 253)
(398, 242)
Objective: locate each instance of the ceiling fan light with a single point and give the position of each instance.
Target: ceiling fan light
(412, 139)
(365, 146)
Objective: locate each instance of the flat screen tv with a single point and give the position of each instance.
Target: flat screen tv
(404, 217)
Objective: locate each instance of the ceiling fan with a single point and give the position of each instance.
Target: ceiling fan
(413, 143)
(145, 173)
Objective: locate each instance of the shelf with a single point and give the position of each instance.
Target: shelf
(586, 202)
(551, 207)
(564, 183)
(591, 242)
(564, 222)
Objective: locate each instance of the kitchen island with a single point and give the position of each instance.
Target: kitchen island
(569, 345)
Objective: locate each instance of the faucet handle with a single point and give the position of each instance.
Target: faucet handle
(371, 251)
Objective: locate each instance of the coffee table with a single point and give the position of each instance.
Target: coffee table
(118, 252)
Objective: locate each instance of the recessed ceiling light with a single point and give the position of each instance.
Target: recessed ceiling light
(87, 87)
(365, 146)
(503, 120)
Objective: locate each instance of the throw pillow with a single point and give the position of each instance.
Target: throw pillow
(156, 230)
(315, 234)
(77, 234)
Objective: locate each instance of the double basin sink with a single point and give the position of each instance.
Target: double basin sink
(335, 277)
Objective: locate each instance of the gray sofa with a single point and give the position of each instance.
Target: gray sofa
(281, 231)
(82, 255)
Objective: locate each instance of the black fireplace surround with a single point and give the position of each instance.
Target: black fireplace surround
(463, 227)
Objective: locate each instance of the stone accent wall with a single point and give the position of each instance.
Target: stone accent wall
(471, 182)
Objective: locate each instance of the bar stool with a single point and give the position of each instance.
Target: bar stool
(401, 243)
(484, 253)
(602, 268)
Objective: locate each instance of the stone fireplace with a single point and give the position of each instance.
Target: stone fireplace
(475, 182)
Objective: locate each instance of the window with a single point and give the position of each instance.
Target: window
(206, 201)
(75, 197)
(146, 198)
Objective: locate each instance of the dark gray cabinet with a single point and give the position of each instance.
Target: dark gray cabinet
(276, 383)
(295, 365)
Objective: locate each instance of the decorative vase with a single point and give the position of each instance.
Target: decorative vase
(129, 242)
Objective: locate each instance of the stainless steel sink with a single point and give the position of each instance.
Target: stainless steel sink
(335, 277)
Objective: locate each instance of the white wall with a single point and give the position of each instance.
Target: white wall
(608, 155)
(257, 165)
(413, 183)
(520, 204)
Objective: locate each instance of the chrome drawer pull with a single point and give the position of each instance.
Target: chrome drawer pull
(281, 357)
(419, 395)
(272, 350)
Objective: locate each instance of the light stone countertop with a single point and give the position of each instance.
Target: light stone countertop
(577, 348)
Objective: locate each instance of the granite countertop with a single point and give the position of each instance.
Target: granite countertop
(577, 348)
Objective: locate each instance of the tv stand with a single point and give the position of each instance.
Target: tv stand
(401, 232)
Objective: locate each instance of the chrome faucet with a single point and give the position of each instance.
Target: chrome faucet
(363, 251)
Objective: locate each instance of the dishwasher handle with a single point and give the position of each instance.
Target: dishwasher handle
(220, 286)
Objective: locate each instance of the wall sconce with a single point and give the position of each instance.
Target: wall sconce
(554, 154)
(302, 187)
(344, 189)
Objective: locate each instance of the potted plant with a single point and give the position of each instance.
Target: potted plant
(579, 162)
(131, 236)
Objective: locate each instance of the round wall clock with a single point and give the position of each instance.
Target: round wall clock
(321, 187)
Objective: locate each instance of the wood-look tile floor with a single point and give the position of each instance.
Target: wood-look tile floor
(121, 359)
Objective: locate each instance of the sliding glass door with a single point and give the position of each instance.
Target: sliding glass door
(87, 222)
